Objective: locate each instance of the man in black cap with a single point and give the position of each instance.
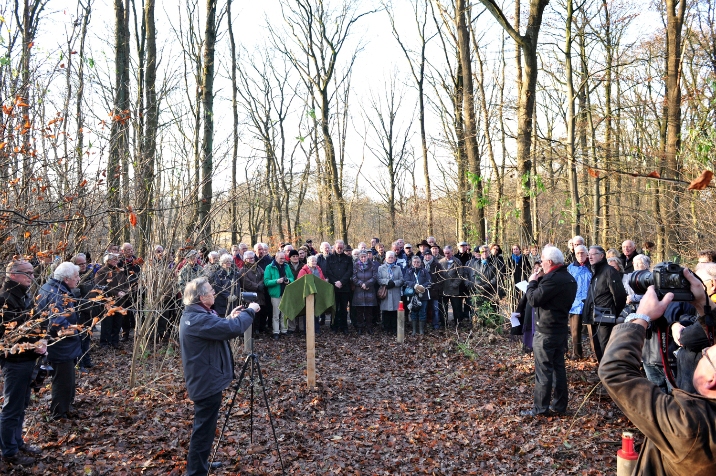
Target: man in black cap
(424, 246)
(311, 250)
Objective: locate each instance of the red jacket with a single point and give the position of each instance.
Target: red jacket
(307, 270)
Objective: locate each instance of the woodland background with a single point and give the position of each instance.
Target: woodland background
(497, 121)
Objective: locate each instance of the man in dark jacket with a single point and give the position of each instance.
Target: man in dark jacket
(56, 301)
(208, 364)
(87, 309)
(680, 428)
(629, 252)
(17, 369)
(550, 292)
(436, 289)
(607, 292)
(338, 272)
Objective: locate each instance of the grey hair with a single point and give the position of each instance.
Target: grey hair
(258, 246)
(581, 248)
(195, 289)
(226, 258)
(13, 266)
(213, 254)
(616, 260)
(339, 241)
(553, 254)
(448, 247)
(66, 270)
(706, 271)
(311, 258)
(390, 253)
(109, 256)
(644, 260)
(249, 254)
(78, 255)
(578, 239)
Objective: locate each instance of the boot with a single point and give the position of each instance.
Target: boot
(414, 327)
(422, 327)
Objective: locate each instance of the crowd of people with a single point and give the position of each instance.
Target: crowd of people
(48, 299)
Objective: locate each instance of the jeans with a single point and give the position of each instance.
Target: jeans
(419, 313)
(18, 376)
(278, 324)
(550, 371)
(63, 387)
(434, 304)
(206, 414)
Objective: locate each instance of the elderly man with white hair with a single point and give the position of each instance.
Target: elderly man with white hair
(629, 252)
(550, 292)
(55, 298)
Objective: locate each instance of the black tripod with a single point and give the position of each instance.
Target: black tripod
(252, 363)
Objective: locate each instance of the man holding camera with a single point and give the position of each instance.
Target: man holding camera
(680, 428)
(208, 363)
(551, 291)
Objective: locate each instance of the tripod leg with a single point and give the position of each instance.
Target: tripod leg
(268, 409)
(231, 406)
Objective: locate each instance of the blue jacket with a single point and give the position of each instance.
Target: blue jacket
(205, 352)
(57, 300)
(583, 275)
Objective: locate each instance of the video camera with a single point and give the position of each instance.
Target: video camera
(249, 297)
(667, 277)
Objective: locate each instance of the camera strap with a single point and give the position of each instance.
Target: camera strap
(664, 351)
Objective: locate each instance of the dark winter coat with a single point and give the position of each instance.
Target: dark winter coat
(112, 281)
(57, 300)
(484, 278)
(339, 267)
(205, 352)
(552, 296)
(434, 268)
(518, 271)
(225, 283)
(605, 290)
(452, 276)
(252, 280)
(413, 276)
(365, 274)
(15, 306)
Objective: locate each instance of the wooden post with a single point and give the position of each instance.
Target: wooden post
(248, 339)
(401, 322)
(310, 342)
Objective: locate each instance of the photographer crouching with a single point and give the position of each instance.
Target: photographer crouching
(680, 428)
(208, 363)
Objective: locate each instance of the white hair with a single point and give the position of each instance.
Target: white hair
(390, 253)
(66, 270)
(227, 258)
(643, 259)
(213, 254)
(553, 254)
(581, 248)
(109, 256)
(249, 254)
(195, 289)
(311, 258)
(577, 239)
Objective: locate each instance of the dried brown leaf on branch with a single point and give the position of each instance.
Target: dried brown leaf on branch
(702, 181)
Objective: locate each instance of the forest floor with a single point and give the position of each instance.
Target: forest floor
(443, 403)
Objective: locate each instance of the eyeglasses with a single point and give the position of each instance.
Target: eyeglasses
(704, 353)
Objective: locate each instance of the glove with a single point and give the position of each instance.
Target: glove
(391, 284)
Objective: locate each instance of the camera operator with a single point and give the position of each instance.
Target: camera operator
(606, 297)
(208, 363)
(680, 428)
(17, 369)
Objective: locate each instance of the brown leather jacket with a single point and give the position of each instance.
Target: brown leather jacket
(680, 428)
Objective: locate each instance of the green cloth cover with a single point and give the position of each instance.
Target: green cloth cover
(293, 301)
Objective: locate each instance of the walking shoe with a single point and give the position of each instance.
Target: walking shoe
(19, 460)
(532, 414)
(276, 337)
(31, 450)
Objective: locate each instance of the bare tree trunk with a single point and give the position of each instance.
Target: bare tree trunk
(468, 106)
(149, 147)
(526, 99)
(571, 123)
(207, 100)
(119, 134)
(675, 10)
(235, 132)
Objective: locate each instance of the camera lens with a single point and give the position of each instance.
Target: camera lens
(640, 281)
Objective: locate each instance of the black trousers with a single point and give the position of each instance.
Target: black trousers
(111, 328)
(600, 338)
(206, 413)
(550, 372)
(341, 320)
(63, 387)
(456, 302)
